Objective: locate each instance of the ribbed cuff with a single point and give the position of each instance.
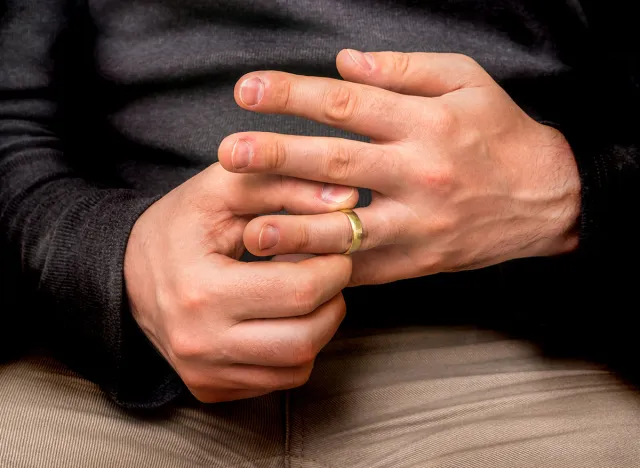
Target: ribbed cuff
(87, 258)
(595, 178)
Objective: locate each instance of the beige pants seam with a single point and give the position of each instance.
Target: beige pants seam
(315, 460)
(253, 460)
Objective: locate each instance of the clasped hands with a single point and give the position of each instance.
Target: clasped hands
(461, 178)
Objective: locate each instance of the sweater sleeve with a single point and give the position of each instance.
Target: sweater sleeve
(601, 121)
(63, 232)
(590, 307)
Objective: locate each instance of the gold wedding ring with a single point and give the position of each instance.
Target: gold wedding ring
(356, 228)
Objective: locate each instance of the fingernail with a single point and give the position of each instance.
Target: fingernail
(251, 91)
(241, 154)
(364, 61)
(336, 193)
(269, 237)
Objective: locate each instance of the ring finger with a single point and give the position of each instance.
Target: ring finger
(323, 233)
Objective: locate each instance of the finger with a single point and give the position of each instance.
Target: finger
(356, 108)
(241, 381)
(383, 265)
(282, 289)
(264, 378)
(392, 263)
(206, 395)
(286, 342)
(418, 74)
(249, 194)
(325, 233)
(332, 160)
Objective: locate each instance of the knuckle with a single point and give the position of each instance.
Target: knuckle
(470, 71)
(442, 225)
(282, 94)
(466, 60)
(339, 163)
(225, 348)
(440, 180)
(275, 154)
(303, 352)
(400, 63)
(195, 383)
(305, 295)
(183, 346)
(442, 118)
(165, 299)
(486, 101)
(339, 104)
(190, 298)
(466, 63)
(303, 238)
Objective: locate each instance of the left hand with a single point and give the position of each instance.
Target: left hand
(461, 177)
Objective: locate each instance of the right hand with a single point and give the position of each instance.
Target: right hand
(230, 329)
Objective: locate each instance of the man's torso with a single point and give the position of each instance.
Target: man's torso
(166, 71)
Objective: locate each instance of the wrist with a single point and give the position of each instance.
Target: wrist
(561, 234)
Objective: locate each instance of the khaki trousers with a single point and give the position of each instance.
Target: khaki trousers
(415, 397)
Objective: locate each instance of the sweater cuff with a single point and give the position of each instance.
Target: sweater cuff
(85, 276)
(600, 181)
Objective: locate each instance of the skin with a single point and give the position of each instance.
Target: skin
(462, 178)
(233, 330)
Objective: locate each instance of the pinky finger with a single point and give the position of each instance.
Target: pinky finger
(385, 265)
(220, 396)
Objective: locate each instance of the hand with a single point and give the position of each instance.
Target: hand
(461, 177)
(233, 330)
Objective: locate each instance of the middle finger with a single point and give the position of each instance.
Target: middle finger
(365, 110)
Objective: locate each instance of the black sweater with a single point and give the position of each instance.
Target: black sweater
(105, 105)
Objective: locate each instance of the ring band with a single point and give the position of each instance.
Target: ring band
(356, 228)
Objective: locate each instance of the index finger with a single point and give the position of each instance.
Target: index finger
(357, 108)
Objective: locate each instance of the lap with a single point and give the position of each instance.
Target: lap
(454, 398)
(416, 397)
(50, 417)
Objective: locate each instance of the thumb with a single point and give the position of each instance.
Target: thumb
(416, 74)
